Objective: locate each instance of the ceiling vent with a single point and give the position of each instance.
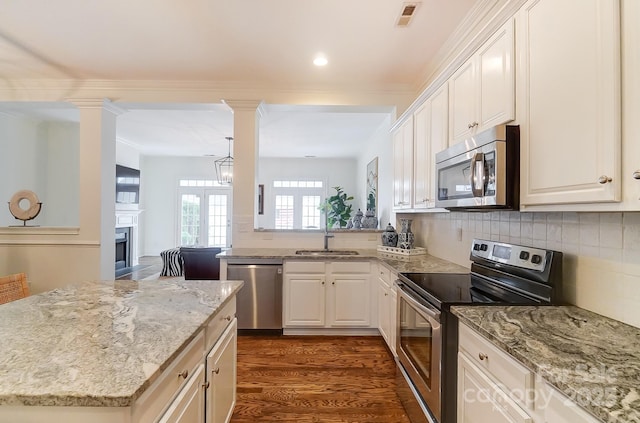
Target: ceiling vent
(408, 10)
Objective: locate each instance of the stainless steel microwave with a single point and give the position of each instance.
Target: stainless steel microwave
(482, 172)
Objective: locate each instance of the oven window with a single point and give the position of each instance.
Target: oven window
(416, 340)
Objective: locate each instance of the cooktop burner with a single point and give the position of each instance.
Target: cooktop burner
(500, 273)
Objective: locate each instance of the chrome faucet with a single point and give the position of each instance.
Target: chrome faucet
(327, 235)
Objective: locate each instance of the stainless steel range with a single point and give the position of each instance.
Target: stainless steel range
(427, 340)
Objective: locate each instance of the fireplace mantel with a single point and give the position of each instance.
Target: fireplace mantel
(129, 219)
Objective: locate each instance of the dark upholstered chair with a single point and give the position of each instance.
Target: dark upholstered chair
(200, 263)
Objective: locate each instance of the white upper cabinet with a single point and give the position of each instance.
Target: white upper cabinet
(569, 101)
(403, 165)
(430, 137)
(481, 91)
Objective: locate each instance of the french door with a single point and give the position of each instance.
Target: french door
(204, 217)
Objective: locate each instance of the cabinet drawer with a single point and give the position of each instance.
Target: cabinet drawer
(515, 378)
(218, 324)
(384, 274)
(351, 267)
(304, 267)
(560, 409)
(155, 399)
(482, 400)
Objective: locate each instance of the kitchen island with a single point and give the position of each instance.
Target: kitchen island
(117, 351)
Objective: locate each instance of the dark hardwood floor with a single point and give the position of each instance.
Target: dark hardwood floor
(147, 266)
(316, 379)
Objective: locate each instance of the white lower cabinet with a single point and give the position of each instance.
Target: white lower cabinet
(209, 393)
(221, 377)
(493, 387)
(321, 294)
(387, 298)
(481, 400)
(188, 407)
(558, 408)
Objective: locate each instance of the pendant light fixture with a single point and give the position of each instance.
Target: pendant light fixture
(224, 167)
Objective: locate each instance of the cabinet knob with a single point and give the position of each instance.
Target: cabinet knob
(206, 385)
(636, 174)
(333, 282)
(322, 282)
(184, 374)
(482, 356)
(604, 179)
(216, 371)
(227, 318)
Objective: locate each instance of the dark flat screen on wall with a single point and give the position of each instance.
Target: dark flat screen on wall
(127, 185)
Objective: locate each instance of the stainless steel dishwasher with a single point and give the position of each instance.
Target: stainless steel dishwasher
(259, 301)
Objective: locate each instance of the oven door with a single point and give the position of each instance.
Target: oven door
(419, 346)
(475, 178)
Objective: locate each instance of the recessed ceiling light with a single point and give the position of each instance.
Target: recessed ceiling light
(320, 60)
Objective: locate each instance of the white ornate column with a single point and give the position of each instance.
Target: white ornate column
(97, 177)
(246, 125)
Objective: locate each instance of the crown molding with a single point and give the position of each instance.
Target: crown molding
(477, 27)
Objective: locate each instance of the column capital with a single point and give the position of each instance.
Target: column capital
(96, 103)
(243, 104)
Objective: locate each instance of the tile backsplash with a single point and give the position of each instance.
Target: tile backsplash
(602, 250)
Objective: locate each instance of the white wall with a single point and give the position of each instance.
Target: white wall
(333, 172)
(379, 145)
(42, 157)
(601, 269)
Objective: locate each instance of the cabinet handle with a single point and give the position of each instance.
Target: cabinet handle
(636, 174)
(482, 356)
(206, 385)
(184, 374)
(604, 179)
(472, 125)
(216, 371)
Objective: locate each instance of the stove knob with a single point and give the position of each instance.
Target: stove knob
(476, 247)
(483, 247)
(524, 255)
(536, 259)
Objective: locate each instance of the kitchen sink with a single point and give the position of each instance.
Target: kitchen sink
(326, 253)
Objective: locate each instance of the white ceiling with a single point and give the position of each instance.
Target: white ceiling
(241, 42)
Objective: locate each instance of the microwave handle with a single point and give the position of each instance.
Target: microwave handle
(477, 175)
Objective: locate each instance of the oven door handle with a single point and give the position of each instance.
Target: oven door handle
(477, 175)
(432, 312)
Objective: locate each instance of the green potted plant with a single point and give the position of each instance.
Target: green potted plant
(336, 208)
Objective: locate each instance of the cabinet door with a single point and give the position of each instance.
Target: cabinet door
(482, 401)
(403, 165)
(384, 315)
(569, 101)
(438, 135)
(304, 300)
(188, 407)
(393, 310)
(422, 160)
(350, 302)
(221, 376)
(496, 78)
(463, 98)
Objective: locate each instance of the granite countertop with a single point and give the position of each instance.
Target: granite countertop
(100, 343)
(402, 264)
(592, 359)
